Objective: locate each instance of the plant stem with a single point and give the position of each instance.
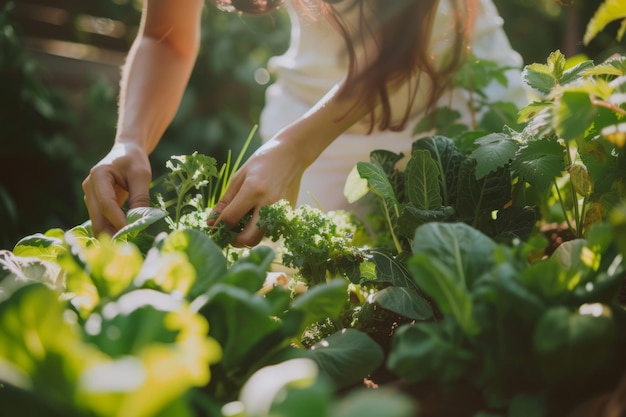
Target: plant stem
(562, 203)
(577, 213)
(610, 106)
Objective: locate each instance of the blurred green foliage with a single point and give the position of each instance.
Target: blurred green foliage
(536, 28)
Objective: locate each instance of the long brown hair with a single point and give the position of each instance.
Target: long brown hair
(400, 31)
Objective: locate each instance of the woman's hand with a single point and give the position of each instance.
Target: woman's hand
(272, 173)
(123, 173)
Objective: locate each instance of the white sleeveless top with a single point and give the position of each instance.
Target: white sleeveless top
(315, 62)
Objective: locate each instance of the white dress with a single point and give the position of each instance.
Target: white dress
(314, 64)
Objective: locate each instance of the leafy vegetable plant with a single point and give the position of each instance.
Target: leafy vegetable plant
(574, 141)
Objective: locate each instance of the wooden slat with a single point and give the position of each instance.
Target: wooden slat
(72, 21)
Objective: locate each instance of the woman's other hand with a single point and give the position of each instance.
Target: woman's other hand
(272, 173)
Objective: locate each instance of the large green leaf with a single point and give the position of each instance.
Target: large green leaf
(133, 322)
(322, 301)
(240, 322)
(494, 151)
(273, 388)
(448, 258)
(461, 248)
(390, 269)
(449, 159)
(475, 197)
(514, 221)
(540, 163)
(17, 271)
(379, 183)
(411, 217)
(139, 219)
(550, 280)
(206, 257)
(447, 289)
(573, 114)
(575, 72)
(347, 356)
(508, 293)
(422, 181)
(539, 77)
(404, 301)
(429, 350)
(46, 246)
(614, 65)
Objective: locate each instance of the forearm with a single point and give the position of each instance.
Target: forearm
(153, 81)
(157, 70)
(312, 133)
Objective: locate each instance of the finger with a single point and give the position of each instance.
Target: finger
(233, 206)
(103, 197)
(139, 188)
(99, 223)
(251, 234)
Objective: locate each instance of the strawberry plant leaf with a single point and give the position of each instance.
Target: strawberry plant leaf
(494, 151)
(573, 114)
(539, 163)
(539, 77)
(575, 72)
(615, 65)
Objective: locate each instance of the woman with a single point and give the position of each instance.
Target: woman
(357, 73)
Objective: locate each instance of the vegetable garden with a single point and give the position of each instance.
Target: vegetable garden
(488, 280)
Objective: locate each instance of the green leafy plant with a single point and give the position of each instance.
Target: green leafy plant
(522, 333)
(440, 183)
(128, 305)
(197, 186)
(575, 132)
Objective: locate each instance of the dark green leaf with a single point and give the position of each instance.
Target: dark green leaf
(422, 180)
(444, 152)
(540, 163)
(404, 301)
(494, 151)
(569, 343)
(322, 301)
(429, 351)
(383, 401)
(347, 356)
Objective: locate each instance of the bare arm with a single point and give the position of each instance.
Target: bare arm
(153, 81)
